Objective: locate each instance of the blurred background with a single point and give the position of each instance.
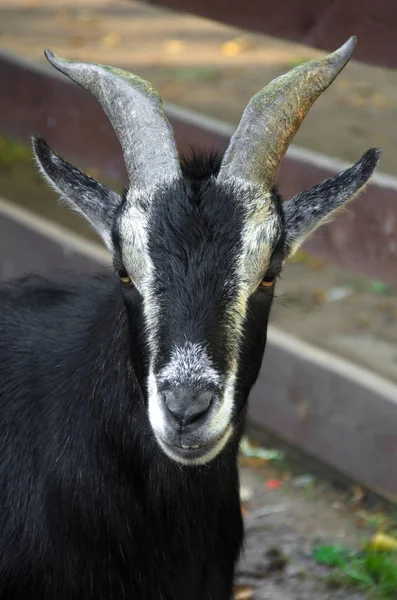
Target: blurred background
(328, 389)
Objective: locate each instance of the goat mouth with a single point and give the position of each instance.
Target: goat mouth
(197, 453)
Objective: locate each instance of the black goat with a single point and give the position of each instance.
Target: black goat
(122, 404)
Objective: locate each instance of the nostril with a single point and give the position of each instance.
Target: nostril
(187, 406)
(199, 406)
(174, 406)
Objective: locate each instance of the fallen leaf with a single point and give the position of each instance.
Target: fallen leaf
(248, 449)
(111, 40)
(237, 46)
(243, 593)
(245, 493)
(173, 46)
(274, 484)
(230, 49)
(381, 541)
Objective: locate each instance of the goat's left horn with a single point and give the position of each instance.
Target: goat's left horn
(274, 115)
(135, 111)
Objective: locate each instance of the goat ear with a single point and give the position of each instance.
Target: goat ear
(84, 194)
(310, 209)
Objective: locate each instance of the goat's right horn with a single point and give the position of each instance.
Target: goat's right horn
(135, 111)
(274, 115)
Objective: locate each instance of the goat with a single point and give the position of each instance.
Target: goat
(122, 399)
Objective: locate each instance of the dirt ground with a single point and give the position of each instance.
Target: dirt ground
(289, 521)
(215, 69)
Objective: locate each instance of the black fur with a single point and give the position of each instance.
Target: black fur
(90, 506)
(87, 196)
(194, 242)
(307, 210)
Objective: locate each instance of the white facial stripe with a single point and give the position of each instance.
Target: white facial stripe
(222, 418)
(156, 410)
(259, 236)
(136, 257)
(134, 241)
(189, 364)
(260, 232)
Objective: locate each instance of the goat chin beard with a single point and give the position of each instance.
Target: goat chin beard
(197, 459)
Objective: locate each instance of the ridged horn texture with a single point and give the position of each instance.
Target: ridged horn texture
(135, 111)
(274, 115)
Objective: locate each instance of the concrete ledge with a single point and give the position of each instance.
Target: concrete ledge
(317, 23)
(332, 409)
(37, 99)
(339, 413)
(29, 243)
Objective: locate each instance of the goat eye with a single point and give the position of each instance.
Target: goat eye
(125, 278)
(267, 282)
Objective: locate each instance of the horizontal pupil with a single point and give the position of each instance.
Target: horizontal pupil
(267, 281)
(125, 278)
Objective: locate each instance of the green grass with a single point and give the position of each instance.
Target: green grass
(196, 74)
(370, 570)
(380, 520)
(12, 152)
(296, 61)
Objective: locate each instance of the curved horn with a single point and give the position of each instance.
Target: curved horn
(135, 111)
(274, 115)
